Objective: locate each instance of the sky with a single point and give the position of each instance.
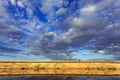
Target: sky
(41, 30)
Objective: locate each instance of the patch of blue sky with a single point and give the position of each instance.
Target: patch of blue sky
(22, 39)
(92, 56)
(42, 29)
(40, 15)
(1, 16)
(5, 45)
(11, 47)
(26, 30)
(22, 57)
(17, 12)
(51, 29)
(70, 1)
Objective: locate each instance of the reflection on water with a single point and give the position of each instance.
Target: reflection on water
(60, 78)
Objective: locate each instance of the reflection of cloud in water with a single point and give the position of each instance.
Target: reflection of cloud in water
(58, 78)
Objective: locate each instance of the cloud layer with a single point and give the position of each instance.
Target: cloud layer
(58, 29)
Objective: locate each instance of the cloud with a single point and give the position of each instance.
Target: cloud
(101, 51)
(13, 2)
(19, 3)
(88, 10)
(11, 34)
(57, 29)
(61, 11)
(88, 53)
(8, 50)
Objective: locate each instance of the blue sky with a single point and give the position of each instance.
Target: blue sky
(36, 30)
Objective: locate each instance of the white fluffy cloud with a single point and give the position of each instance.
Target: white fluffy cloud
(88, 10)
(19, 3)
(61, 11)
(13, 2)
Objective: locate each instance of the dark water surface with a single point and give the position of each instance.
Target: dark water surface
(60, 78)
